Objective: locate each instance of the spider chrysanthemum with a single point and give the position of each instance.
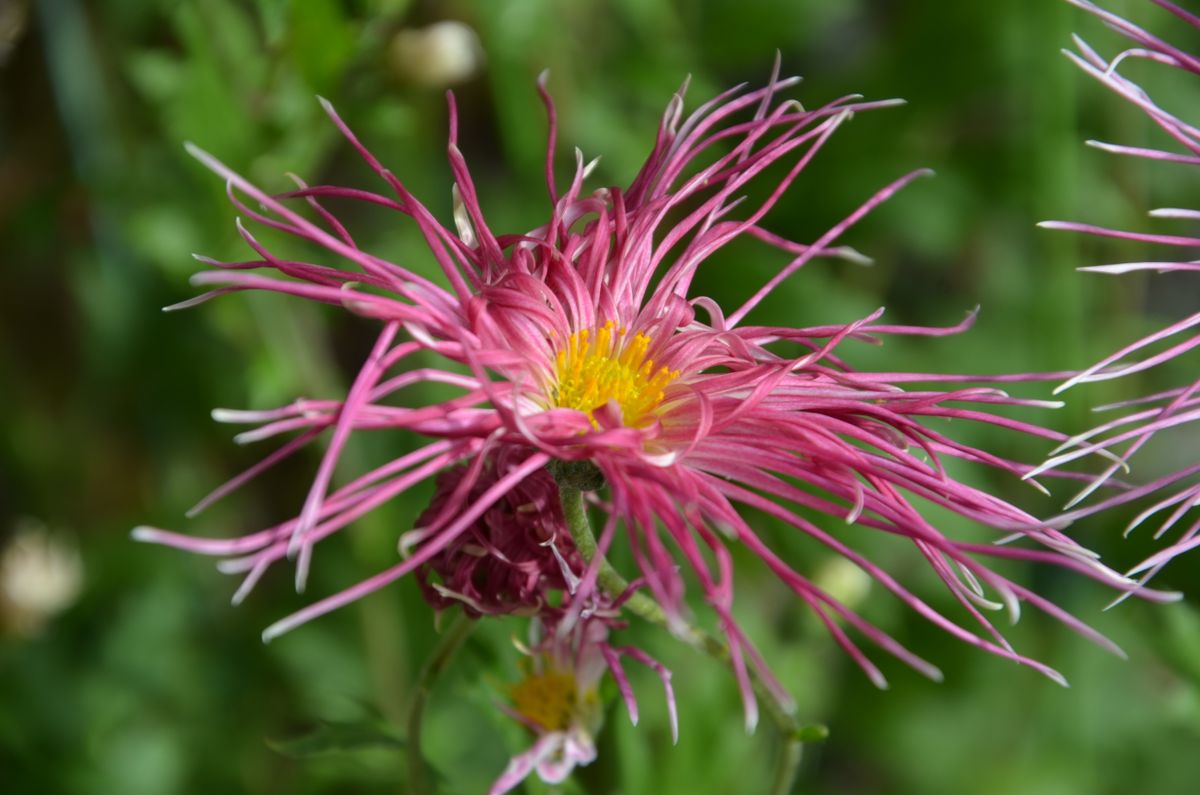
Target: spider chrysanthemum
(584, 342)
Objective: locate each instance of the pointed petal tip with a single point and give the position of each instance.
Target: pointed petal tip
(1035, 484)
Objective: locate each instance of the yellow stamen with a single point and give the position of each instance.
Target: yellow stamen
(593, 369)
(548, 699)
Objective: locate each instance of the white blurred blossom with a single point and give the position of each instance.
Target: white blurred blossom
(442, 54)
(40, 576)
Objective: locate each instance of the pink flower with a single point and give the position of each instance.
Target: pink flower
(583, 341)
(558, 698)
(1122, 438)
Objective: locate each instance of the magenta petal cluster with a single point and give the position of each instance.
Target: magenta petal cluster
(583, 340)
(1138, 420)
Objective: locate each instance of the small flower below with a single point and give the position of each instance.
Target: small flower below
(558, 699)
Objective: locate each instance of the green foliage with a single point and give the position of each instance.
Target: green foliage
(152, 684)
(338, 737)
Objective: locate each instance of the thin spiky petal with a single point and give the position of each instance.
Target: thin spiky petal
(1123, 438)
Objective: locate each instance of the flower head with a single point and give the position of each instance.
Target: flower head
(584, 341)
(1122, 438)
(558, 697)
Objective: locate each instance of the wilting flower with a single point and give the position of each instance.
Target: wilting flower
(512, 557)
(558, 698)
(1120, 439)
(583, 341)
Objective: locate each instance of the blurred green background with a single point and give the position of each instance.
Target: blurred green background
(149, 683)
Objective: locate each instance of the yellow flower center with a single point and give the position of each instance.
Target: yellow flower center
(548, 699)
(593, 369)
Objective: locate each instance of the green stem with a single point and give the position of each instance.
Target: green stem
(787, 766)
(610, 581)
(608, 578)
(447, 646)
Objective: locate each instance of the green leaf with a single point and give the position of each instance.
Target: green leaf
(322, 42)
(336, 737)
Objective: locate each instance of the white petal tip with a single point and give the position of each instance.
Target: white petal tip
(144, 534)
(751, 723)
(1039, 487)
